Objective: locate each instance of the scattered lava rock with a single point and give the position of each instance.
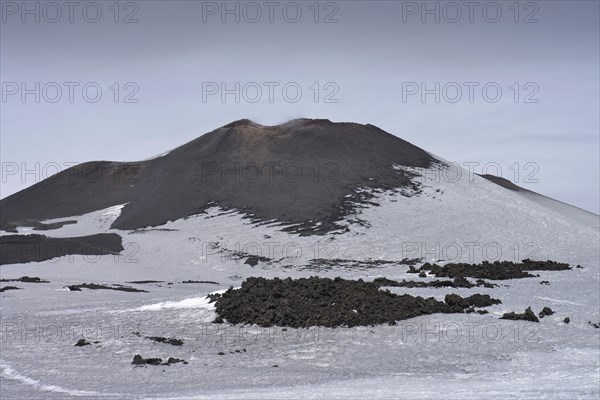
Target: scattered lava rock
(144, 282)
(328, 302)
(594, 325)
(173, 360)
(410, 261)
(325, 264)
(459, 282)
(209, 282)
(82, 342)
(476, 300)
(544, 283)
(567, 320)
(139, 360)
(254, 260)
(160, 339)
(26, 279)
(548, 265)
(95, 286)
(495, 271)
(5, 288)
(545, 311)
(527, 316)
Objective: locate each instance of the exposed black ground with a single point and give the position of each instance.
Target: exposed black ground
(207, 282)
(545, 312)
(495, 271)
(505, 183)
(528, 315)
(26, 279)
(6, 288)
(42, 226)
(253, 260)
(95, 286)
(459, 282)
(17, 249)
(161, 339)
(326, 264)
(139, 360)
(328, 302)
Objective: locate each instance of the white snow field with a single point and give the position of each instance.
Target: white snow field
(451, 356)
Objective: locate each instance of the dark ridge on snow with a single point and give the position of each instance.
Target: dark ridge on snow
(96, 286)
(40, 226)
(497, 270)
(302, 172)
(505, 183)
(17, 249)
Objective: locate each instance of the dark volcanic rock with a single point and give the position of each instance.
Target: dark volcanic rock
(138, 360)
(477, 300)
(41, 226)
(528, 315)
(496, 270)
(545, 311)
(254, 260)
(26, 279)
(208, 282)
(161, 339)
(173, 360)
(303, 172)
(95, 286)
(505, 183)
(458, 282)
(5, 288)
(325, 264)
(17, 249)
(328, 302)
(82, 342)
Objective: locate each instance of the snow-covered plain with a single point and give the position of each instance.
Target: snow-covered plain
(451, 356)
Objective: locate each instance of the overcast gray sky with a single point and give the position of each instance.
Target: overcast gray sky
(515, 87)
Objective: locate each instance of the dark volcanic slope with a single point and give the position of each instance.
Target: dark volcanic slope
(298, 172)
(505, 183)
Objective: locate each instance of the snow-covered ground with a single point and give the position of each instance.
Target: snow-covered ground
(450, 356)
